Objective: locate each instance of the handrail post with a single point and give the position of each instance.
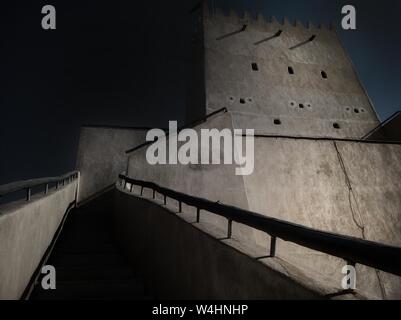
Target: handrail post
(273, 241)
(165, 200)
(229, 229)
(132, 186)
(179, 207)
(141, 190)
(197, 215)
(154, 194)
(47, 188)
(28, 194)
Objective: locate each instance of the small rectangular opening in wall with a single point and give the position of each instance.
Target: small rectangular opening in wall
(290, 70)
(255, 66)
(324, 75)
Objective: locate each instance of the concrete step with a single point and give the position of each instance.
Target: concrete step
(88, 261)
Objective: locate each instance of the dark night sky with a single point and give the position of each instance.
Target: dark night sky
(125, 62)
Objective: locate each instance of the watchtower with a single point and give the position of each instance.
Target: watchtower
(279, 78)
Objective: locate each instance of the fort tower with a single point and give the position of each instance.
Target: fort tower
(279, 78)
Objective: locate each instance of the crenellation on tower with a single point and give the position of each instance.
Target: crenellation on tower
(287, 22)
(275, 22)
(299, 23)
(311, 25)
(260, 21)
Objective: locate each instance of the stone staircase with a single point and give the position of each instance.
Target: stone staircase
(87, 260)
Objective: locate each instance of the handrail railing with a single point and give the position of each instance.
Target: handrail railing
(352, 250)
(381, 125)
(276, 136)
(186, 126)
(28, 185)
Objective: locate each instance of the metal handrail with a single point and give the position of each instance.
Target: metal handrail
(276, 136)
(381, 125)
(352, 250)
(186, 126)
(28, 185)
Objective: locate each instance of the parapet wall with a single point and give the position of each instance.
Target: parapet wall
(101, 156)
(350, 188)
(26, 231)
